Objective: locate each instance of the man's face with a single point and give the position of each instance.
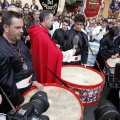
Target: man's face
(64, 26)
(118, 24)
(33, 2)
(26, 11)
(78, 26)
(104, 24)
(49, 21)
(15, 30)
(36, 15)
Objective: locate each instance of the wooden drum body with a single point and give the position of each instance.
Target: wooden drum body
(64, 103)
(87, 82)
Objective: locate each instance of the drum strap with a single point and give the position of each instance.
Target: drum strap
(8, 99)
(95, 60)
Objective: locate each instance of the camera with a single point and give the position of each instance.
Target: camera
(32, 110)
(106, 111)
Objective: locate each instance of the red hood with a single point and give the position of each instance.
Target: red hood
(32, 31)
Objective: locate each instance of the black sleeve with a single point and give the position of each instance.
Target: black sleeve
(104, 50)
(55, 37)
(68, 40)
(7, 82)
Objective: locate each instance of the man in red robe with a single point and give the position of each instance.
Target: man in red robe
(45, 53)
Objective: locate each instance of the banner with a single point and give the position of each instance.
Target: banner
(70, 1)
(115, 6)
(92, 8)
(61, 5)
(51, 5)
(83, 7)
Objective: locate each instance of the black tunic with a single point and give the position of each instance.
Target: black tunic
(108, 47)
(82, 48)
(11, 71)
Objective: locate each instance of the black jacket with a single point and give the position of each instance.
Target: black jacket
(108, 47)
(58, 37)
(82, 48)
(35, 7)
(117, 41)
(11, 69)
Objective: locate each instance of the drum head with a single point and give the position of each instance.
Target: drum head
(81, 77)
(64, 104)
(112, 62)
(2, 116)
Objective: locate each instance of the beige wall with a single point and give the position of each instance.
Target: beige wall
(105, 10)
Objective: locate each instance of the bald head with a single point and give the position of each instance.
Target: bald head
(13, 8)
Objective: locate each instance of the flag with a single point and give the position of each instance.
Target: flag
(51, 5)
(92, 8)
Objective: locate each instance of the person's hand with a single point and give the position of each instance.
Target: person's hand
(85, 65)
(58, 45)
(25, 101)
(0, 99)
(27, 38)
(117, 54)
(113, 56)
(74, 51)
(38, 85)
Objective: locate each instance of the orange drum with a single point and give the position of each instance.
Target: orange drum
(87, 82)
(109, 73)
(64, 103)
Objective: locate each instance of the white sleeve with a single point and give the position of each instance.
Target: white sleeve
(67, 55)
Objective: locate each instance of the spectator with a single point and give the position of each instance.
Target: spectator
(18, 3)
(58, 35)
(5, 4)
(34, 6)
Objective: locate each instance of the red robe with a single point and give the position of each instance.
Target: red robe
(44, 49)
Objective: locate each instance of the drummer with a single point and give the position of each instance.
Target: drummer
(16, 70)
(108, 48)
(81, 54)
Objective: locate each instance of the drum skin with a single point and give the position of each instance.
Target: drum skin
(64, 103)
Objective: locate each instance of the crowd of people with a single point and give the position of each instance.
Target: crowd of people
(34, 44)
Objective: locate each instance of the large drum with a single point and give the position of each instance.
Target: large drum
(87, 82)
(64, 103)
(109, 73)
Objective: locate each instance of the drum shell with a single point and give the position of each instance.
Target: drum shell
(110, 80)
(85, 90)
